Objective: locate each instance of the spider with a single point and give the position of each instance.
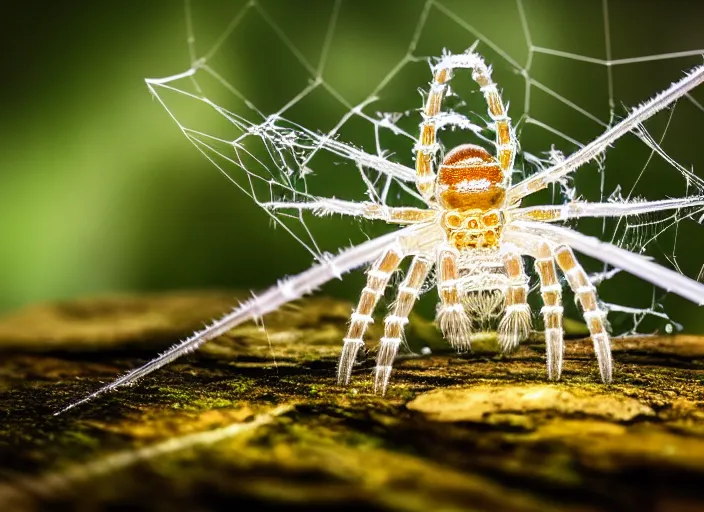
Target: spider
(475, 233)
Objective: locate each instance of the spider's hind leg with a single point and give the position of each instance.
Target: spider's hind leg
(395, 322)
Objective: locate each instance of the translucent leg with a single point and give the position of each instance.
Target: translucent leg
(454, 322)
(395, 322)
(377, 278)
(516, 323)
(593, 315)
(551, 292)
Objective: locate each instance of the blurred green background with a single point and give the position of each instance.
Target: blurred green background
(101, 193)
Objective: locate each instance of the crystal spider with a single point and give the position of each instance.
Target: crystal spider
(475, 233)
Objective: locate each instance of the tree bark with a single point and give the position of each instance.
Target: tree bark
(255, 417)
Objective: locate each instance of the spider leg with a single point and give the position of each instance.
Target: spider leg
(395, 322)
(427, 145)
(595, 317)
(551, 292)
(322, 206)
(412, 238)
(528, 234)
(454, 321)
(505, 138)
(377, 278)
(515, 325)
(577, 209)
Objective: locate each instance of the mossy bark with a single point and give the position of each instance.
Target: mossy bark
(255, 418)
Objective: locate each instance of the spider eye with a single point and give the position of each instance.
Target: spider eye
(491, 219)
(490, 238)
(453, 220)
(472, 224)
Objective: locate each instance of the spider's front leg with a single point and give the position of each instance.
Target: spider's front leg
(516, 323)
(377, 278)
(427, 144)
(454, 322)
(594, 316)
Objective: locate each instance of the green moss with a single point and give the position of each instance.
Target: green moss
(240, 384)
(176, 393)
(211, 403)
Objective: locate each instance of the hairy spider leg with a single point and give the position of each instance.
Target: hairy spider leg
(598, 146)
(515, 325)
(505, 138)
(454, 322)
(395, 322)
(378, 277)
(594, 316)
(551, 292)
(324, 206)
(427, 145)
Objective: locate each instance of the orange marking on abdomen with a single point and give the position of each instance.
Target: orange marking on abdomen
(471, 171)
(467, 152)
(470, 177)
(469, 162)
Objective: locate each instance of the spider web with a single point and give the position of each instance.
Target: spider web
(266, 87)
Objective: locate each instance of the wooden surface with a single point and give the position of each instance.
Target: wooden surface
(255, 417)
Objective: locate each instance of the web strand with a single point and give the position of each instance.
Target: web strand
(273, 159)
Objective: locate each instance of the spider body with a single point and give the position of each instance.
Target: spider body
(470, 192)
(470, 189)
(481, 280)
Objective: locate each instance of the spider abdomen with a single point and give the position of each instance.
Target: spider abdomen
(470, 178)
